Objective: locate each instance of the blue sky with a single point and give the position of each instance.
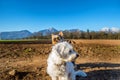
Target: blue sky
(35, 15)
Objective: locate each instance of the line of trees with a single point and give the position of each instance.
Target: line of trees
(91, 35)
(81, 35)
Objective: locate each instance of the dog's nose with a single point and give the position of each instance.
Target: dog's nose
(77, 55)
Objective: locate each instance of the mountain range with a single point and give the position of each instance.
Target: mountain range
(15, 34)
(48, 31)
(26, 33)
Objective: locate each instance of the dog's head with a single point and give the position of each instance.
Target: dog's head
(65, 51)
(57, 38)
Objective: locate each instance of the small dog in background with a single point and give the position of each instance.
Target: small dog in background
(57, 38)
(60, 38)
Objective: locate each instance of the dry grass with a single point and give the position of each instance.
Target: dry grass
(109, 42)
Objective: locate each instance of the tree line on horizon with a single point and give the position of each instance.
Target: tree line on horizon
(80, 35)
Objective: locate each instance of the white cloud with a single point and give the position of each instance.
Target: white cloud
(113, 29)
(105, 29)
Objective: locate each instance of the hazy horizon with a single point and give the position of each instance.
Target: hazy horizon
(113, 29)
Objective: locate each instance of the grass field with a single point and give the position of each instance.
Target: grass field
(42, 41)
(100, 59)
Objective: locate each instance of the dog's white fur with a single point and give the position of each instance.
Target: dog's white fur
(60, 66)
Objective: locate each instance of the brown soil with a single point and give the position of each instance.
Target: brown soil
(100, 60)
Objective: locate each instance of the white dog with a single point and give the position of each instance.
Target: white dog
(60, 66)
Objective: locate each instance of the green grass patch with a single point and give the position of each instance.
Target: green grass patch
(26, 41)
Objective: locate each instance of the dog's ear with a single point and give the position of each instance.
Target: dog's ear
(61, 33)
(71, 42)
(53, 37)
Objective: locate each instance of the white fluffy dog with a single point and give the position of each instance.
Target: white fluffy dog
(60, 66)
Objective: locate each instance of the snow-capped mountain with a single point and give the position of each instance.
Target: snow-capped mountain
(48, 31)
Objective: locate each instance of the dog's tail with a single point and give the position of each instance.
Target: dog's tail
(80, 73)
